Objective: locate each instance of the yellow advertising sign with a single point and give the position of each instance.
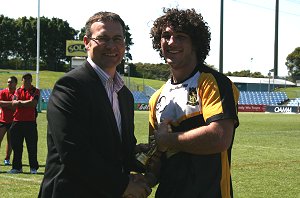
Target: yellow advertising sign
(75, 48)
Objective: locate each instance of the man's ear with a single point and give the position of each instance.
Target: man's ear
(86, 42)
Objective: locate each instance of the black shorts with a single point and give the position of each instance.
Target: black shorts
(6, 125)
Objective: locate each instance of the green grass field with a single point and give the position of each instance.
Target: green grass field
(265, 157)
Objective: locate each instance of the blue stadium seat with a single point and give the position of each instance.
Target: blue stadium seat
(45, 94)
(140, 97)
(262, 98)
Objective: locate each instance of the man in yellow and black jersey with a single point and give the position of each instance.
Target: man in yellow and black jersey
(193, 116)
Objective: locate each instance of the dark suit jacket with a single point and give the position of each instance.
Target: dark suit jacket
(86, 157)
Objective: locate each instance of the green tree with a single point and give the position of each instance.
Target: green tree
(293, 64)
(128, 42)
(81, 33)
(257, 75)
(153, 71)
(19, 40)
(8, 39)
(54, 34)
(245, 73)
(26, 40)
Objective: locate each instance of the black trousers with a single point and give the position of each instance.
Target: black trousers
(24, 130)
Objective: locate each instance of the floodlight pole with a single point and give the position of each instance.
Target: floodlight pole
(127, 71)
(39, 108)
(144, 81)
(269, 74)
(38, 46)
(276, 40)
(221, 37)
(273, 81)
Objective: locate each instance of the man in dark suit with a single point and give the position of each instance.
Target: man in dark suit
(90, 137)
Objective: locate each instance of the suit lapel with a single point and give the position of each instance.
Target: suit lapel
(125, 117)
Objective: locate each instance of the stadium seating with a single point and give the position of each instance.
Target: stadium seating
(262, 98)
(45, 93)
(246, 97)
(294, 102)
(140, 97)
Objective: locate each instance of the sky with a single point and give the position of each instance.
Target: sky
(248, 33)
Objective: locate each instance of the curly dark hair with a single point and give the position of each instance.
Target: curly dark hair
(185, 21)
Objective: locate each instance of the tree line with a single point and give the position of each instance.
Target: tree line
(162, 71)
(293, 64)
(18, 44)
(18, 49)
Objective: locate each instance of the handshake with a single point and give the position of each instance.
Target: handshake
(141, 184)
(148, 160)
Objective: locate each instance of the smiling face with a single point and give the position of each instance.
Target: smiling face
(178, 50)
(106, 46)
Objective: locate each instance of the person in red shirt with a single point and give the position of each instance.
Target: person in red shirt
(24, 125)
(6, 114)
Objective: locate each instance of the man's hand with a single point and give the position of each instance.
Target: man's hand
(137, 187)
(142, 148)
(161, 135)
(16, 103)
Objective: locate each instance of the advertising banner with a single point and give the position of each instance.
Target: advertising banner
(282, 109)
(75, 48)
(141, 106)
(251, 108)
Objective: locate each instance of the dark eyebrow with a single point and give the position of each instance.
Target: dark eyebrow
(118, 36)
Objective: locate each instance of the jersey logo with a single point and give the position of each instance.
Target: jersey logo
(192, 97)
(161, 104)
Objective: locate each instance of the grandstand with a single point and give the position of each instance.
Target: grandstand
(260, 84)
(139, 97)
(262, 98)
(246, 97)
(253, 91)
(45, 93)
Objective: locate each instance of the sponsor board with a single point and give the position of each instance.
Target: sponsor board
(251, 108)
(141, 106)
(75, 48)
(282, 109)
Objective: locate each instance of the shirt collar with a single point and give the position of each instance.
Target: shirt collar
(105, 78)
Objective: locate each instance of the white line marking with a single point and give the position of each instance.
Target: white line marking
(18, 178)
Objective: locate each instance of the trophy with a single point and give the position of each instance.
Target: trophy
(144, 157)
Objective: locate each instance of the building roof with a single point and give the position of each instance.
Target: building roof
(237, 79)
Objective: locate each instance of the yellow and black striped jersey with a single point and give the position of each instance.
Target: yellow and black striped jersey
(206, 96)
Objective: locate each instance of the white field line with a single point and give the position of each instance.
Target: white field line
(17, 178)
(265, 147)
